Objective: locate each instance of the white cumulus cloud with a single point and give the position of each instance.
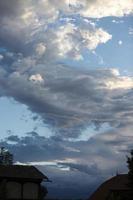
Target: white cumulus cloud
(105, 8)
(69, 40)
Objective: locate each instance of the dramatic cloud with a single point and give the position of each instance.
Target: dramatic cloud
(110, 147)
(83, 162)
(69, 40)
(61, 40)
(45, 46)
(67, 99)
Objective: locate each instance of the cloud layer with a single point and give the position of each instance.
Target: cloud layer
(69, 100)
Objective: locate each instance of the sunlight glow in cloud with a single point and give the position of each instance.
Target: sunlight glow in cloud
(37, 78)
(121, 83)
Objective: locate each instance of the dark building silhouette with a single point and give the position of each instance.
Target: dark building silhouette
(21, 182)
(114, 188)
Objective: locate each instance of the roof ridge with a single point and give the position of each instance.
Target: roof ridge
(21, 171)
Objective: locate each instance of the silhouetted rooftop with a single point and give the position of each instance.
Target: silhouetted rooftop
(20, 171)
(119, 183)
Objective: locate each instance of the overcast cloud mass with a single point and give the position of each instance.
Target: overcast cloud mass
(69, 63)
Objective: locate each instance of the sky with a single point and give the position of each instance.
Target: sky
(66, 89)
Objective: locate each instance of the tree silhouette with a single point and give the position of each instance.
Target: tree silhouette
(6, 158)
(130, 167)
(130, 175)
(44, 192)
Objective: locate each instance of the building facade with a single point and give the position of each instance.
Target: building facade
(21, 182)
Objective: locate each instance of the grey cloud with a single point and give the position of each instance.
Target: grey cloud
(25, 24)
(78, 184)
(9, 8)
(64, 100)
(42, 148)
(13, 138)
(85, 156)
(90, 170)
(104, 154)
(68, 100)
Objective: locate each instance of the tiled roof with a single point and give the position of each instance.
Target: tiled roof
(119, 182)
(20, 171)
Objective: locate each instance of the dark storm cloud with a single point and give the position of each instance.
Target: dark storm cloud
(79, 185)
(13, 138)
(84, 156)
(69, 100)
(12, 32)
(9, 8)
(42, 148)
(90, 170)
